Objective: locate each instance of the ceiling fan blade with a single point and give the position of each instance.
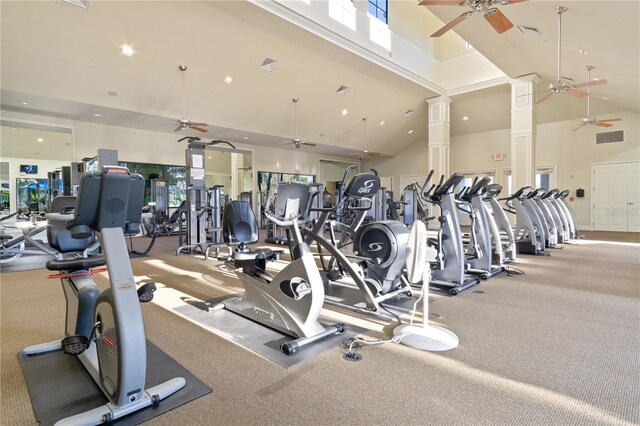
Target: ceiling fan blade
(177, 129)
(514, 1)
(308, 143)
(200, 129)
(609, 119)
(544, 98)
(498, 21)
(577, 93)
(579, 127)
(451, 24)
(601, 124)
(198, 124)
(372, 154)
(439, 3)
(590, 83)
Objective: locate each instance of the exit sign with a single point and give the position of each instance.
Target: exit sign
(499, 157)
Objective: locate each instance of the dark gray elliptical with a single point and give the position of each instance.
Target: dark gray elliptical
(451, 264)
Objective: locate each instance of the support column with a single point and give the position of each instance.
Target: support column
(524, 119)
(439, 136)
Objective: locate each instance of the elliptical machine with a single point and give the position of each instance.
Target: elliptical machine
(530, 230)
(451, 264)
(379, 247)
(480, 248)
(105, 330)
(290, 301)
(504, 243)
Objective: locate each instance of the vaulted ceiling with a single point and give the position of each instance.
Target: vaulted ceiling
(65, 61)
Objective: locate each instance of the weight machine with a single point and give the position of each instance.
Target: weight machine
(196, 216)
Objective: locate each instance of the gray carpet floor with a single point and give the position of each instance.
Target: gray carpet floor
(557, 345)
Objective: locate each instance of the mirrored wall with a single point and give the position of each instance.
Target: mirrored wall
(28, 152)
(331, 174)
(231, 169)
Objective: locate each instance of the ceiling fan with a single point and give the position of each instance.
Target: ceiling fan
(296, 142)
(566, 85)
(492, 14)
(184, 123)
(365, 152)
(592, 121)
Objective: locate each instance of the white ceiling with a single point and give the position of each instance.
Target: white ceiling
(63, 60)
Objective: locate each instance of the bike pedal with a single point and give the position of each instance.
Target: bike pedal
(145, 292)
(75, 345)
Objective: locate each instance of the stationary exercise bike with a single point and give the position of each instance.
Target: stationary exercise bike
(105, 330)
(290, 301)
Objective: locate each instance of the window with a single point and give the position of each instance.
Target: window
(344, 12)
(378, 8)
(174, 176)
(545, 178)
(268, 181)
(32, 193)
(379, 32)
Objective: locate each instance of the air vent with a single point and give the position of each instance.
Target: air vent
(342, 90)
(527, 29)
(83, 4)
(610, 137)
(268, 64)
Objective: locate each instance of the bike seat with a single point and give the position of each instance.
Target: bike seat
(76, 264)
(265, 254)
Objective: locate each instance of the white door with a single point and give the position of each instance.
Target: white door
(633, 200)
(615, 189)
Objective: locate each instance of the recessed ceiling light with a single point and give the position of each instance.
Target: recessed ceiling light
(382, 123)
(465, 118)
(97, 115)
(583, 51)
(228, 80)
(344, 112)
(25, 103)
(605, 98)
(410, 131)
(40, 140)
(246, 138)
(408, 112)
(209, 157)
(112, 92)
(127, 50)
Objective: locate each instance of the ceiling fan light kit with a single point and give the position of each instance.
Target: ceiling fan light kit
(366, 152)
(296, 142)
(563, 84)
(588, 120)
(493, 15)
(185, 123)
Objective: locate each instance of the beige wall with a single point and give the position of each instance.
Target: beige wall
(162, 148)
(412, 161)
(573, 154)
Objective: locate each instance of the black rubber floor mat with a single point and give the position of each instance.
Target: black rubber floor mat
(59, 386)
